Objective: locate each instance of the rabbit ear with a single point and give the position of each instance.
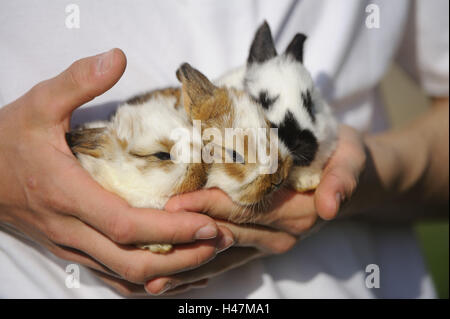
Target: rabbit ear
(262, 48)
(196, 89)
(295, 48)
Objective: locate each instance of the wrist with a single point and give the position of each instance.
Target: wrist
(384, 168)
(378, 180)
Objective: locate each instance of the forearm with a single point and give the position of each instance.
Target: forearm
(407, 171)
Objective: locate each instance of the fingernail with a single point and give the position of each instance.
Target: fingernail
(105, 61)
(167, 286)
(207, 232)
(225, 243)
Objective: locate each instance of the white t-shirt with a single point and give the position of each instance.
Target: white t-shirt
(347, 60)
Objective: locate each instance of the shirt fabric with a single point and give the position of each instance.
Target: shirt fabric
(346, 59)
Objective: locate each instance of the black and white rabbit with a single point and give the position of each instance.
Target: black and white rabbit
(285, 90)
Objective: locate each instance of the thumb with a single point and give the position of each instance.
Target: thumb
(213, 201)
(54, 100)
(338, 184)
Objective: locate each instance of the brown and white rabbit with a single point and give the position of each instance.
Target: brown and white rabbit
(131, 154)
(247, 180)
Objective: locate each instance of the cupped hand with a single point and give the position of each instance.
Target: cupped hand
(278, 229)
(45, 193)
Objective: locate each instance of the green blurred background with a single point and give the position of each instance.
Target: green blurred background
(404, 101)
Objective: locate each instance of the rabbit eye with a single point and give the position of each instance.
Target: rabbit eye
(163, 156)
(265, 100)
(139, 155)
(237, 158)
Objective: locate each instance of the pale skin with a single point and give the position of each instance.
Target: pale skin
(46, 194)
(77, 220)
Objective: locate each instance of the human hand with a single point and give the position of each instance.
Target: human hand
(47, 195)
(291, 215)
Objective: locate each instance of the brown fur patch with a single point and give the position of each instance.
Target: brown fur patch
(255, 191)
(87, 141)
(153, 162)
(194, 178)
(166, 144)
(235, 170)
(122, 143)
(166, 92)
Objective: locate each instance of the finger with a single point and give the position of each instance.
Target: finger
(341, 174)
(338, 184)
(265, 239)
(131, 263)
(329, 193)
(225, 261)
(69, 188)
(123, 287)
(212, 201)
(54, 99)
(289, 211)
(185, 288)
(59, 251)
(292, 212)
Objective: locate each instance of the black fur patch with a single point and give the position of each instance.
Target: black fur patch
(264, 99)
(262, 48)
(308, 103)
(301, 143)
(295, 48)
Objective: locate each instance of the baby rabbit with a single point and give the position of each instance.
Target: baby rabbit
(291, 102)
(244, 177)
(131, 155)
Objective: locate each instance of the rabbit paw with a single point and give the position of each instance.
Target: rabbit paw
(157, 248)
(305, 179)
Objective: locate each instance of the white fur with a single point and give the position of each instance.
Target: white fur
(286, 78)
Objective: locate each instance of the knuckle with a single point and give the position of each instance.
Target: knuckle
(175, 204)
(135, 273)
(175, 236)
(53, 232)
(121, 230)
(73, 76)
(296, 228)
(56, 202)
(282, 246)
(310, 222)
(198, 259)
(38, 93)
(300, 226)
